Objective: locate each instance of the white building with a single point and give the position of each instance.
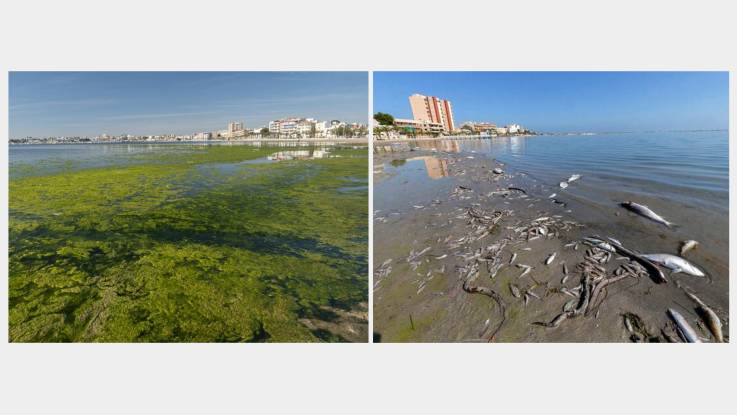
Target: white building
(300, 127)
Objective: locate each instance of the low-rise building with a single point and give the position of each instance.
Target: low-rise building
(419, 126)
(300, 127)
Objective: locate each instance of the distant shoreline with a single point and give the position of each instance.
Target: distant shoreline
(453, 137)
(359, 140)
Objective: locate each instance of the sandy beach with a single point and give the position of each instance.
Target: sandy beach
(453, 247)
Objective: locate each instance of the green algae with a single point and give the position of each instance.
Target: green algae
(166, 249)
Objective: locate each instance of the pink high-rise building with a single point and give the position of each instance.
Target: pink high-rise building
(432, 109)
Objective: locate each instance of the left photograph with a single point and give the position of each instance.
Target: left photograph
(188, 207)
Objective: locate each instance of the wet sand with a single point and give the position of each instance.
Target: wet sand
(425, 244)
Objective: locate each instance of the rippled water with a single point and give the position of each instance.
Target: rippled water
(684, 167)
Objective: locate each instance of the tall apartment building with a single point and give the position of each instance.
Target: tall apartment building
(433, 110)
(235, 127)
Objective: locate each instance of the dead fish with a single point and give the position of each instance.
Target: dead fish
(552, 196)
(685, 330)
(574, 178)
(550, 258)
(565, 278)
(565, 269)
(526, 268)
(570, 305)
(687, 246)
(674, 263)
(532, 294)
(628, 324)
(515, 291)
(514, 256)
(418, 206)
(710, 318)
(497, 170)
(598, 243)
(563, 185)
(645, 211)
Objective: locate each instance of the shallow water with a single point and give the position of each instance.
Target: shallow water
(681, 176)
(187, 242)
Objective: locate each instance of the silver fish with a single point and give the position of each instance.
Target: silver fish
(674, 263)
(497, 170)
(514, 256)
(646, 212)
(684, 329)
(574, 178)
(687, 246)
(550, 259)
(563, 185)
(552, 196)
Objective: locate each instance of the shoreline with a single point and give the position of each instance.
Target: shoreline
(457, 137)
(360, 140)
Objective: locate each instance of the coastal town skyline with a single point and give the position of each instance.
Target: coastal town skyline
(561, 102)
(89, 104)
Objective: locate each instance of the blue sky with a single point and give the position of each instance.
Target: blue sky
(92, 103)
(567, 101)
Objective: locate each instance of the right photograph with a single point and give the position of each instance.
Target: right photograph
(552, 207)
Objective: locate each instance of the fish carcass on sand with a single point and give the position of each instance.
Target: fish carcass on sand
(563, 185)
(685, 330)
(710, 318)
(574, 177)
(646, 212)
(550, 258)
(674, 263)
(687, 246)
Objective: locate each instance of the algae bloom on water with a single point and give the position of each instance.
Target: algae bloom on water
(189, 244)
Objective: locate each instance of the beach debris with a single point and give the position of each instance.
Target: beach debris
(685, 330)
(563, 185)
(517, 189)
(526, 269)
(675, 263)
(655, 273)
(687, 246)
(645, 211)
(383, 270)
(636, 329)
(709, 317)
(574, 177)
(569, 305)
(497, 170)
(515, 290)
(468, 287)
(413, 257)
(550, 258)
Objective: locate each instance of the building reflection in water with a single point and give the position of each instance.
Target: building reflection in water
(436, 168)
(299, 155)
(448, 146)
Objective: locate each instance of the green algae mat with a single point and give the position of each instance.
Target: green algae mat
(190, 244)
